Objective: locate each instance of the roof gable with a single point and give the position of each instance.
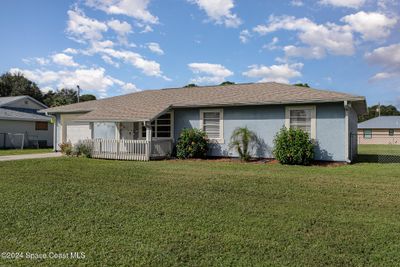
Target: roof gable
(22, 101)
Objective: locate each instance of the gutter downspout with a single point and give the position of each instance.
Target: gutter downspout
(347, 107)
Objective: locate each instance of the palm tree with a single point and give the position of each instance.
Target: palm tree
(241, 140)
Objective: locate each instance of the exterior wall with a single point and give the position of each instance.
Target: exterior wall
(27, 128)
(266, 121)
(379, 137)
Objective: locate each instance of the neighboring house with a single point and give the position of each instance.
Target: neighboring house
(21, 124)
(152, 120)
(380, 130)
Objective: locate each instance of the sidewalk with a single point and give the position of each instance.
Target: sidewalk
(30, 156)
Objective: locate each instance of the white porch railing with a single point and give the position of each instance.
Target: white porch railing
(124, 149)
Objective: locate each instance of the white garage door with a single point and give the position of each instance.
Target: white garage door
(78, 131)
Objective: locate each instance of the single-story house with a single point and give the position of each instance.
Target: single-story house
(384, 130)
(21, 125)
(148, 123)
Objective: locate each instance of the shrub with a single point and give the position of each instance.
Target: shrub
(293, 146)
(66, 148)
(192, 143)
(241, 140)
(83, 148)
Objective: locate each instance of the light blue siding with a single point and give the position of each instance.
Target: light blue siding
(330, 132)
(266, 121)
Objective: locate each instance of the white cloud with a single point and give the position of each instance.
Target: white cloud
(306, 52)
(275, 73)
(209, 73)
(344, 3)
(297, 3)
(155, 48)
(389, 58)
(372, 26)
(130, 88)
(244, 36)
(121, 28)
(147, 29)
(109, 60)
(137, 9)
(335, 39)
(148, 67)
(64, 60)
(272, 45)
(70, 51)
(82, 28)
(219, 11)
(92, 79)
(36, 60)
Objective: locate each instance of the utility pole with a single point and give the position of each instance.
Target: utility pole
(79, 91)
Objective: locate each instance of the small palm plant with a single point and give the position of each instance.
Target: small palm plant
(241, 140)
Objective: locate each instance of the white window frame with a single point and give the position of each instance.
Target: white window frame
(158, 138)
(221, 123)
(313, 109)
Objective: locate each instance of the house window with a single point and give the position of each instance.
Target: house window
(211, 122)
(41, 126)
(367, 133)
(303, 118)
(391, 132)
(161, 127)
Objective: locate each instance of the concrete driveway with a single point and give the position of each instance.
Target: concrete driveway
(30, 156)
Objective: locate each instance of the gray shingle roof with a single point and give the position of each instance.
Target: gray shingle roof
(146, 105)
(382, 122)
(21, 114)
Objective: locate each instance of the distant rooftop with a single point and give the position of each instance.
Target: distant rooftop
(8, 99)
(382, 122)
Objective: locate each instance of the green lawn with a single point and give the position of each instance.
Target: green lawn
(200, 213)
(9, 152)
(379, 149)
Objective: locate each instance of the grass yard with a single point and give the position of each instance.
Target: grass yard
(379, 149)
(199, 213)
(9, 152)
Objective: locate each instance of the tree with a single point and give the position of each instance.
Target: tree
(383, 110)
(15, 84)
(227, 83)
(302, 85)
(190, 85)
(241, 140)
(87, 97)
(61, 97)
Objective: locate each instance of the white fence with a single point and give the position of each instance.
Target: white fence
(130, 149)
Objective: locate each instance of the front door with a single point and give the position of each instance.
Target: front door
(126, 130)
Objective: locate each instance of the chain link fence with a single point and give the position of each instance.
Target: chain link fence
(380, 148)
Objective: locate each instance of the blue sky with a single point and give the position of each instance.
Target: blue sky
(112, 47)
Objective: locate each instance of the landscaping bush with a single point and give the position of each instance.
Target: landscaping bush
(192, 143)
(66, 148)
(293, 146)
(82, 149)
(242, 140)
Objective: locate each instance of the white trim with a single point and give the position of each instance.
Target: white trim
(313, 117)
(219, 140)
